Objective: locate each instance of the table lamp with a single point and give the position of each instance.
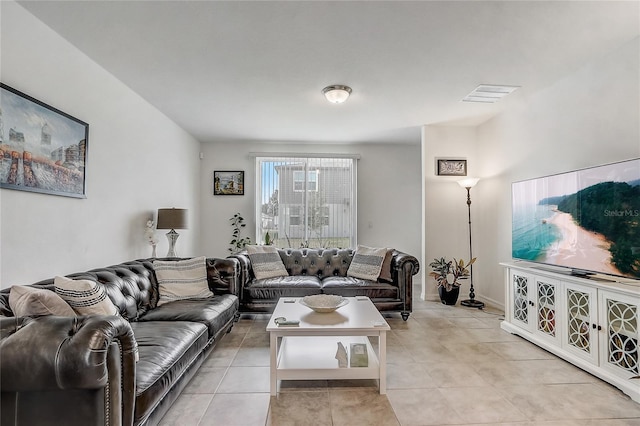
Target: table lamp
(172, 219)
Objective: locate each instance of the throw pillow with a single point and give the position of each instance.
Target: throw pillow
(385, 271)
(84, 296)
(31, 301)
(266, 262)
(184, 279)
(367, 263)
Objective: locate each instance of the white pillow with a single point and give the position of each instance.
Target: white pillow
(367, 263)
(266, 262)
(31, 301)
(84, 296)
(184, 279)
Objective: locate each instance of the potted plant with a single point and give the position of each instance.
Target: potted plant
(237, 243)
(448, 274)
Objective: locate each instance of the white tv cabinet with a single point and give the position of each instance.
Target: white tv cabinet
(593, 323)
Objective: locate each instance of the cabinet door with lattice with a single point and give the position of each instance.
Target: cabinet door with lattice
(619, 318)
(522, 297)
(547, 301)
(580, 336)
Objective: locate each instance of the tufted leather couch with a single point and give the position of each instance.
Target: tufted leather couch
(111, 370)
(316, 271)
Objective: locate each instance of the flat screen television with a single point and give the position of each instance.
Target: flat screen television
(586, 221)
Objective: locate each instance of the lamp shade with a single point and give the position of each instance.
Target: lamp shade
(468, 182)
(337, 93)
(172, 218)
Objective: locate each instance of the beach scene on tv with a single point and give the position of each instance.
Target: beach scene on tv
(586, 220)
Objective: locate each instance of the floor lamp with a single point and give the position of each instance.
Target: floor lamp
(172, 219)
(471, 302)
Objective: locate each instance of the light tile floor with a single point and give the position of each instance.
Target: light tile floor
(446, 365)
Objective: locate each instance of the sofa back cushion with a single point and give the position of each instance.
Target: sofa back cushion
(131, 286)
(320, 262)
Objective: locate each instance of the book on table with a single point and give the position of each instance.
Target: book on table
(358, 355)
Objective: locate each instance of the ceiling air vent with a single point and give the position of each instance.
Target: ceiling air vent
(489, 93)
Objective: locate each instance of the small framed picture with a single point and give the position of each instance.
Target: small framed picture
(228, 183)
(452, 167)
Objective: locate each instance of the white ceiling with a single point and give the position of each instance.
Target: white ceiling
(254, 70)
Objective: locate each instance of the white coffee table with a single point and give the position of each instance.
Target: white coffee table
(307, 351)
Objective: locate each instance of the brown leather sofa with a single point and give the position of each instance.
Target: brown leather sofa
(316, 271)
(111, 370)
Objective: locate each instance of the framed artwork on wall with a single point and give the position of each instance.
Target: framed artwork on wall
(452, 167)
(42, 149)
(228, 183)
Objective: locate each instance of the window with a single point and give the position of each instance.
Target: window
(306, 201)
(294, 216)
(299, 182)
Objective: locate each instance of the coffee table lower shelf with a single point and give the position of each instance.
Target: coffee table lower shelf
(313, 358)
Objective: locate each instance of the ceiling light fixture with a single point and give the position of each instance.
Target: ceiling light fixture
(489, 93)
(336, 93)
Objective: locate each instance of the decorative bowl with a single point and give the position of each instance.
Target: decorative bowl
(324, 302)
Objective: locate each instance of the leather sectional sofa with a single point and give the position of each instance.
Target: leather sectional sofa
(111, 370)
(317, 271)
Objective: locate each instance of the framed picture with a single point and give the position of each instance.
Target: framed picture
(452, 167)
(42, 149)
(228, 183)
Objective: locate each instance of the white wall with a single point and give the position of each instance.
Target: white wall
(388, 192)
(589, 118)
(138, 161)
(445, 202)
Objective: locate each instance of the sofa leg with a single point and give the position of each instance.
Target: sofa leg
(405, 315)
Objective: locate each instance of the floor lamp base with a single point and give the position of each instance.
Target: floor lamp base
(472, 303)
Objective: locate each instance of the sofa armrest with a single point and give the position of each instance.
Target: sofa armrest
(50, 364)
(245, 273)
(403, 267)
(222, 275)
(404, 262)
(51, 352)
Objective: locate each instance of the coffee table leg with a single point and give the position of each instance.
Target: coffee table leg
(273, 378)
(382, 359)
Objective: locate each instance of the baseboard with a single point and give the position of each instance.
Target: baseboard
(489, 302)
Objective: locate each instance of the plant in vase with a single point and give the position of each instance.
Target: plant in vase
(448, 274)
(237, 244)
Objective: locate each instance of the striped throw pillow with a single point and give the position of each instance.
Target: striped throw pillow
(367, 263)
(84, 296)
(184, 279)
(266, 262)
